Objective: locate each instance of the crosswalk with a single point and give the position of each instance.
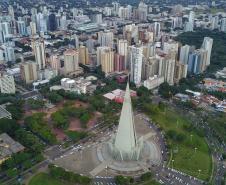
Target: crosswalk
(104, 183)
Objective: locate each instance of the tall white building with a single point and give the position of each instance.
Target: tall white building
(184, 54)
(63, 22)
(191, 17)
(39, 51)
(157, 29)
(6, 29)
(9, 53)
(135, 59)
(22, 29)
(207, 45)
(106, 38)
(142, 11)
(7, 84)
(223, 25)
(214, 22)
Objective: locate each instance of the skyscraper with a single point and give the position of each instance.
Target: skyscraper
(142, 11)
(22, 29)
(197, 61)
(52, 22)
(184, 53)
(135, 58)
(71, 60)
(83, 55)
(105, 58)
(207, 45)
(223, 25)
(28, 72)
(39, 52)
(106, 38)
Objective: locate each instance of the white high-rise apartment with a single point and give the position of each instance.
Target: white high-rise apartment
(22, 29)
(207, 45)
(135, 59)
(39, 51)
(223, 25)
(106, 38)
(184, 54)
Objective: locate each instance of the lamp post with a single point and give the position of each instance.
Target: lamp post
(172, 162)
(195, 149)
(191, 137)
(199, 172)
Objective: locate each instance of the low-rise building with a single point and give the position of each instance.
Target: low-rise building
(8, 147)
(78, 85)
(7, 84)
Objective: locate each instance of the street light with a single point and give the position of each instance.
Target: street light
(191, 137)
(172, 162)
(199, 172)
(106, 170)
(195, 149)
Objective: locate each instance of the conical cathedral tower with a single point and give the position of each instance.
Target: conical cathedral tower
(124, 145)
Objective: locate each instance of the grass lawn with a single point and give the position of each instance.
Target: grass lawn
(44, 179)
(190, 155)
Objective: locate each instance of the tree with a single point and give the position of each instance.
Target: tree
(146, 176)
(121, 180)
(166, 91)
(60, 121)
(9, 126)
(54, 97)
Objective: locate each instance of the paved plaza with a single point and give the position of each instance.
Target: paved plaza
(93, 159)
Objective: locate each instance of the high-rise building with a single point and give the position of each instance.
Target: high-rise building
(71, 61)
(41, 22)
(188, 27)
(63, 22)
(9, 53)
(207, 45)
(76, 41)
(184, 54)
(39, 52)
(33, 28)
(223, 25)
(7, 84)
(55, 62)
(177, 22)
(123, 47)
(191, 17)
(28, 72)
(6, 29)
(106, 38)
(142, 11)
(135, 62)
(22, 29)
(119, 62)
(105, 58)
(197, 62)
(52, 26)
(157, 30)
(214, 22)
(167, 67)
(180, 72)
(115, 8)
(83, 55)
